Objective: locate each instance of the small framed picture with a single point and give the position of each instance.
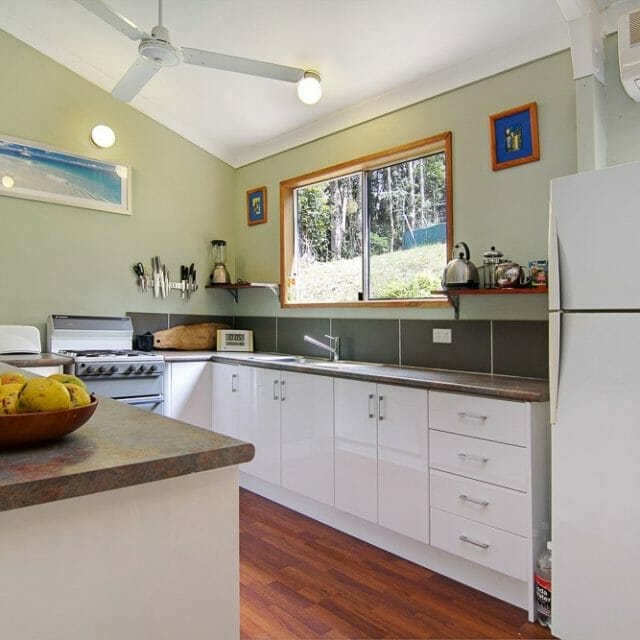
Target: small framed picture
(514, 137)
(257, 205)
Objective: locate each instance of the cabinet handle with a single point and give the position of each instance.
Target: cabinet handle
(234, 382)
(380, 407)
(275, 389)
(472, 416)
(371, 397)
(482, 545)
(282, 394)
(482, 503)
(471, 456)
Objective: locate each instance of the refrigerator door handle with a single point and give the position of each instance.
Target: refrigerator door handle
(554, 261)
(555, 330)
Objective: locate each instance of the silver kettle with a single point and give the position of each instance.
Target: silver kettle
(460, 272)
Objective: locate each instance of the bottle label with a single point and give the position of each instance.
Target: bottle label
(543, 596)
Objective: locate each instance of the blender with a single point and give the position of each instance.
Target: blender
(219, 275)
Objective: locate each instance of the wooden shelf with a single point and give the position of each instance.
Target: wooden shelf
(233, 288)
(491, 292)
(454, 294)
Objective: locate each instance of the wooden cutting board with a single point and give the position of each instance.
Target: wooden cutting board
(189, 337)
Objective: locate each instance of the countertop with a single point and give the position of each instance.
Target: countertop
(484, 384)
(119, 446)
(35, 359)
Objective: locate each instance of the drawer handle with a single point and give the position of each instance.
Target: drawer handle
(482, 545)
(471, 456)
(482, 503)
(371, 397)
(234, 382)
(473, 416)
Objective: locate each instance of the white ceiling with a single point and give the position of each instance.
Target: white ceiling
(374, 56)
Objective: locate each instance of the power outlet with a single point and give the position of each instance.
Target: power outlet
(442, 336)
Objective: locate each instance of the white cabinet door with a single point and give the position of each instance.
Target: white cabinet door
(306, 423)
(190, 393)
(225, 395)
(403, 465)
(259, 420)
(356, 442)
(44, 371)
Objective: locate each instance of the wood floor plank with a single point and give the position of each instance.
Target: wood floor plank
(302, 579)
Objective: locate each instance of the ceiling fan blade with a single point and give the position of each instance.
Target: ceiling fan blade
(241, 65)
(139, 73)
(119, 22)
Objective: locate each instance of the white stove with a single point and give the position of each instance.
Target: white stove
(101, 349)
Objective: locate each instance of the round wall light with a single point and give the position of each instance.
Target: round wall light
(309, 88)
(103, 136)
(7, 181)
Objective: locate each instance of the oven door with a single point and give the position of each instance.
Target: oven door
(150, 403)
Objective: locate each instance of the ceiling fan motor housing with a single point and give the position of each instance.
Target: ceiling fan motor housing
(159, 49)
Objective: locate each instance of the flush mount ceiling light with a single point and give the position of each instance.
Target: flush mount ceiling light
(103, 136)
(309, 88)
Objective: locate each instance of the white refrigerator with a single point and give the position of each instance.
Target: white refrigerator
(594, 364)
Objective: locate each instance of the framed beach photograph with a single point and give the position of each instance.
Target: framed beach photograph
(257, 205)
(38, 172)
(514, 137)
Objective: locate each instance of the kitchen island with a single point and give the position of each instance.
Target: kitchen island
(126, 528)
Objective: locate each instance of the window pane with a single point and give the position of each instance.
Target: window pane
(328, 241)
(407, 216)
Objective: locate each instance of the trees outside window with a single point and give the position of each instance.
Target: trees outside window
(374, 231)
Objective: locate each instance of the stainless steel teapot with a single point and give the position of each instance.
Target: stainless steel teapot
(510, 275)
(460, 272)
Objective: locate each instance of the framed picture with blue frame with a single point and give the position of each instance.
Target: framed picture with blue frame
(514, 137)
(257, 205)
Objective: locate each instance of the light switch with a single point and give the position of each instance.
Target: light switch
(442, 336)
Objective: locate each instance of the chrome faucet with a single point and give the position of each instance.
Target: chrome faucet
(333, 347)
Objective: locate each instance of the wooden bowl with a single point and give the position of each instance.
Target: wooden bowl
(21, 429)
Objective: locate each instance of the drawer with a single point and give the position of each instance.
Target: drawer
(498, 550)
(500, 420)
(498, 507)
(502, 464)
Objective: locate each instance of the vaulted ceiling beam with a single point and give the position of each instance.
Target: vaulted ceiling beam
(586, 33)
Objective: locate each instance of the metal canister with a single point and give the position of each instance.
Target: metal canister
(490, 260)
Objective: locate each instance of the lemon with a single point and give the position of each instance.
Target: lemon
(79, 395)
(67, 378)
(43, 394)
(9, 397)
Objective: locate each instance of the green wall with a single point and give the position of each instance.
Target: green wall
(507, 208)
(60, 259)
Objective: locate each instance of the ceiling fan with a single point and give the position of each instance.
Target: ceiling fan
(156, 51)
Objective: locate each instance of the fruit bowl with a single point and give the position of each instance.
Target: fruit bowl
(20, 429)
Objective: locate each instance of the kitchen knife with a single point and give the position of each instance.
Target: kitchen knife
(155, 262)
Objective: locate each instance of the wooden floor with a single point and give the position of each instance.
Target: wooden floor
(302, 579)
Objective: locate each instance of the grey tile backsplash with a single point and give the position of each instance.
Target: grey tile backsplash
(470, 348)
(508, 347)
(368, 340)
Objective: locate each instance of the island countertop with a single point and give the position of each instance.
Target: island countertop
(119, 446)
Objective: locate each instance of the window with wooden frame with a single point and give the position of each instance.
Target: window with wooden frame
(375, 231)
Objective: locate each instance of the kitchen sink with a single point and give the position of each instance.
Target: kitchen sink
(267, 357)
(329, 364)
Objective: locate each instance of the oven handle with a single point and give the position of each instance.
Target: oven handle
(142, 399)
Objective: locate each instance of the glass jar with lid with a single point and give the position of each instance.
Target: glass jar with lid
(490, 260)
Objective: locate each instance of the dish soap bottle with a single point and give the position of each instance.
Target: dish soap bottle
(543, 587)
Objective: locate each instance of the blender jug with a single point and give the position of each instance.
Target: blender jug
(219, 275)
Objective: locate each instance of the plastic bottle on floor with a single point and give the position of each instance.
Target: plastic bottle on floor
(543, 587)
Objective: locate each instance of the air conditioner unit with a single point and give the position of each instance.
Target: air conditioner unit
(629, 52)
